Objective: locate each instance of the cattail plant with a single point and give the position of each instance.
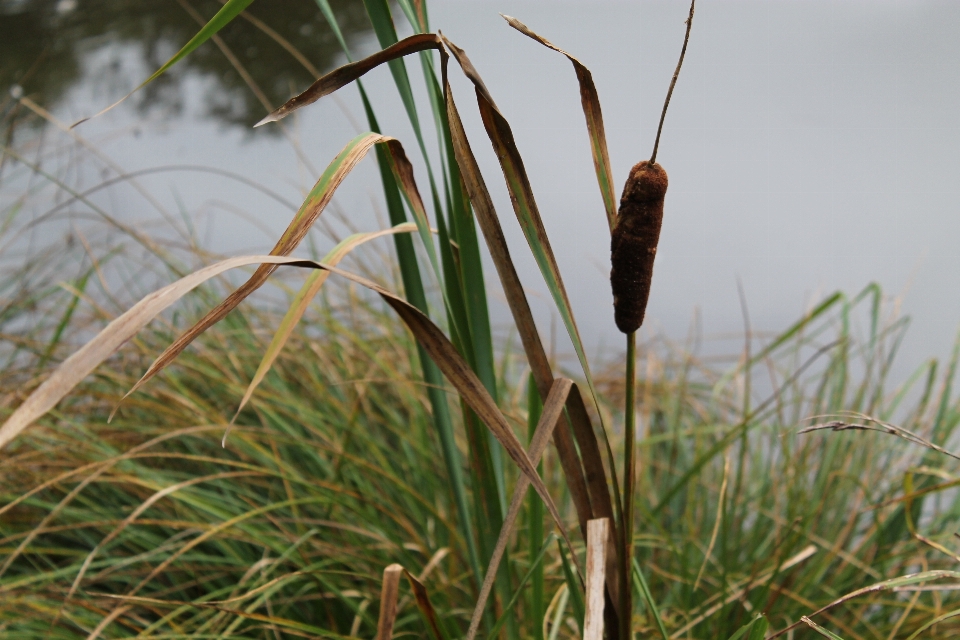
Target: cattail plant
(633, 247)
(469, 511)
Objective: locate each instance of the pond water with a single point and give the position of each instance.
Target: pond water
(811, 146)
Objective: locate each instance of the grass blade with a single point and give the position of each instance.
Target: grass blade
(826, 633)
(508, 609)
(310, 210)
(302, 300)
(641, 583)
(551, 413)
(535, 515)
(756, 629)
(230, 10)
(783, 338)
(590, 101)
(886, 585)
(574, 588)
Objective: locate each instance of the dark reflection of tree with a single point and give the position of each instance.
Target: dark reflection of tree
(43, 43)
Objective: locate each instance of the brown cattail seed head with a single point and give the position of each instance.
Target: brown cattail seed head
(634, 243)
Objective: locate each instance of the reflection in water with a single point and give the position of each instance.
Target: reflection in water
(43, 44)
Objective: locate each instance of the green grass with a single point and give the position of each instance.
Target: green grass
(335, 471)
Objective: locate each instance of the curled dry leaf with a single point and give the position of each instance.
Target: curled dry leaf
(346, 74)
(590, 101)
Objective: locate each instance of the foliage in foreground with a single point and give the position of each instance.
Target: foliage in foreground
(333, 472)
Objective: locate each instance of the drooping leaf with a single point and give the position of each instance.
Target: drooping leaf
(436, 344)
(350, 72)
(590, 101)
(525, 207)
(309, 211)
(524, 204)
(75, 368)
(416, 294)
(303, 298)
(516, 298)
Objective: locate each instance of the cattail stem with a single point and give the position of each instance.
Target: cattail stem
(629, 479)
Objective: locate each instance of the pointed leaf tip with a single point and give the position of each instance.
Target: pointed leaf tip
(272, 117)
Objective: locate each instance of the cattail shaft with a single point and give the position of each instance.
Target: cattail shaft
(633, 246)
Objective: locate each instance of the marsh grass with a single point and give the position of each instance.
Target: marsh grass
(334, 472)
(354, 454)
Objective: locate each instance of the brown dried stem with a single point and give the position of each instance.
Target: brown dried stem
(673, 83)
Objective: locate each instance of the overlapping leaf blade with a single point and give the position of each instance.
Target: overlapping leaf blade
(303, 298)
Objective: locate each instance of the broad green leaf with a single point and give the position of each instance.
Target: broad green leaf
(386, 32)
(230, 10)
